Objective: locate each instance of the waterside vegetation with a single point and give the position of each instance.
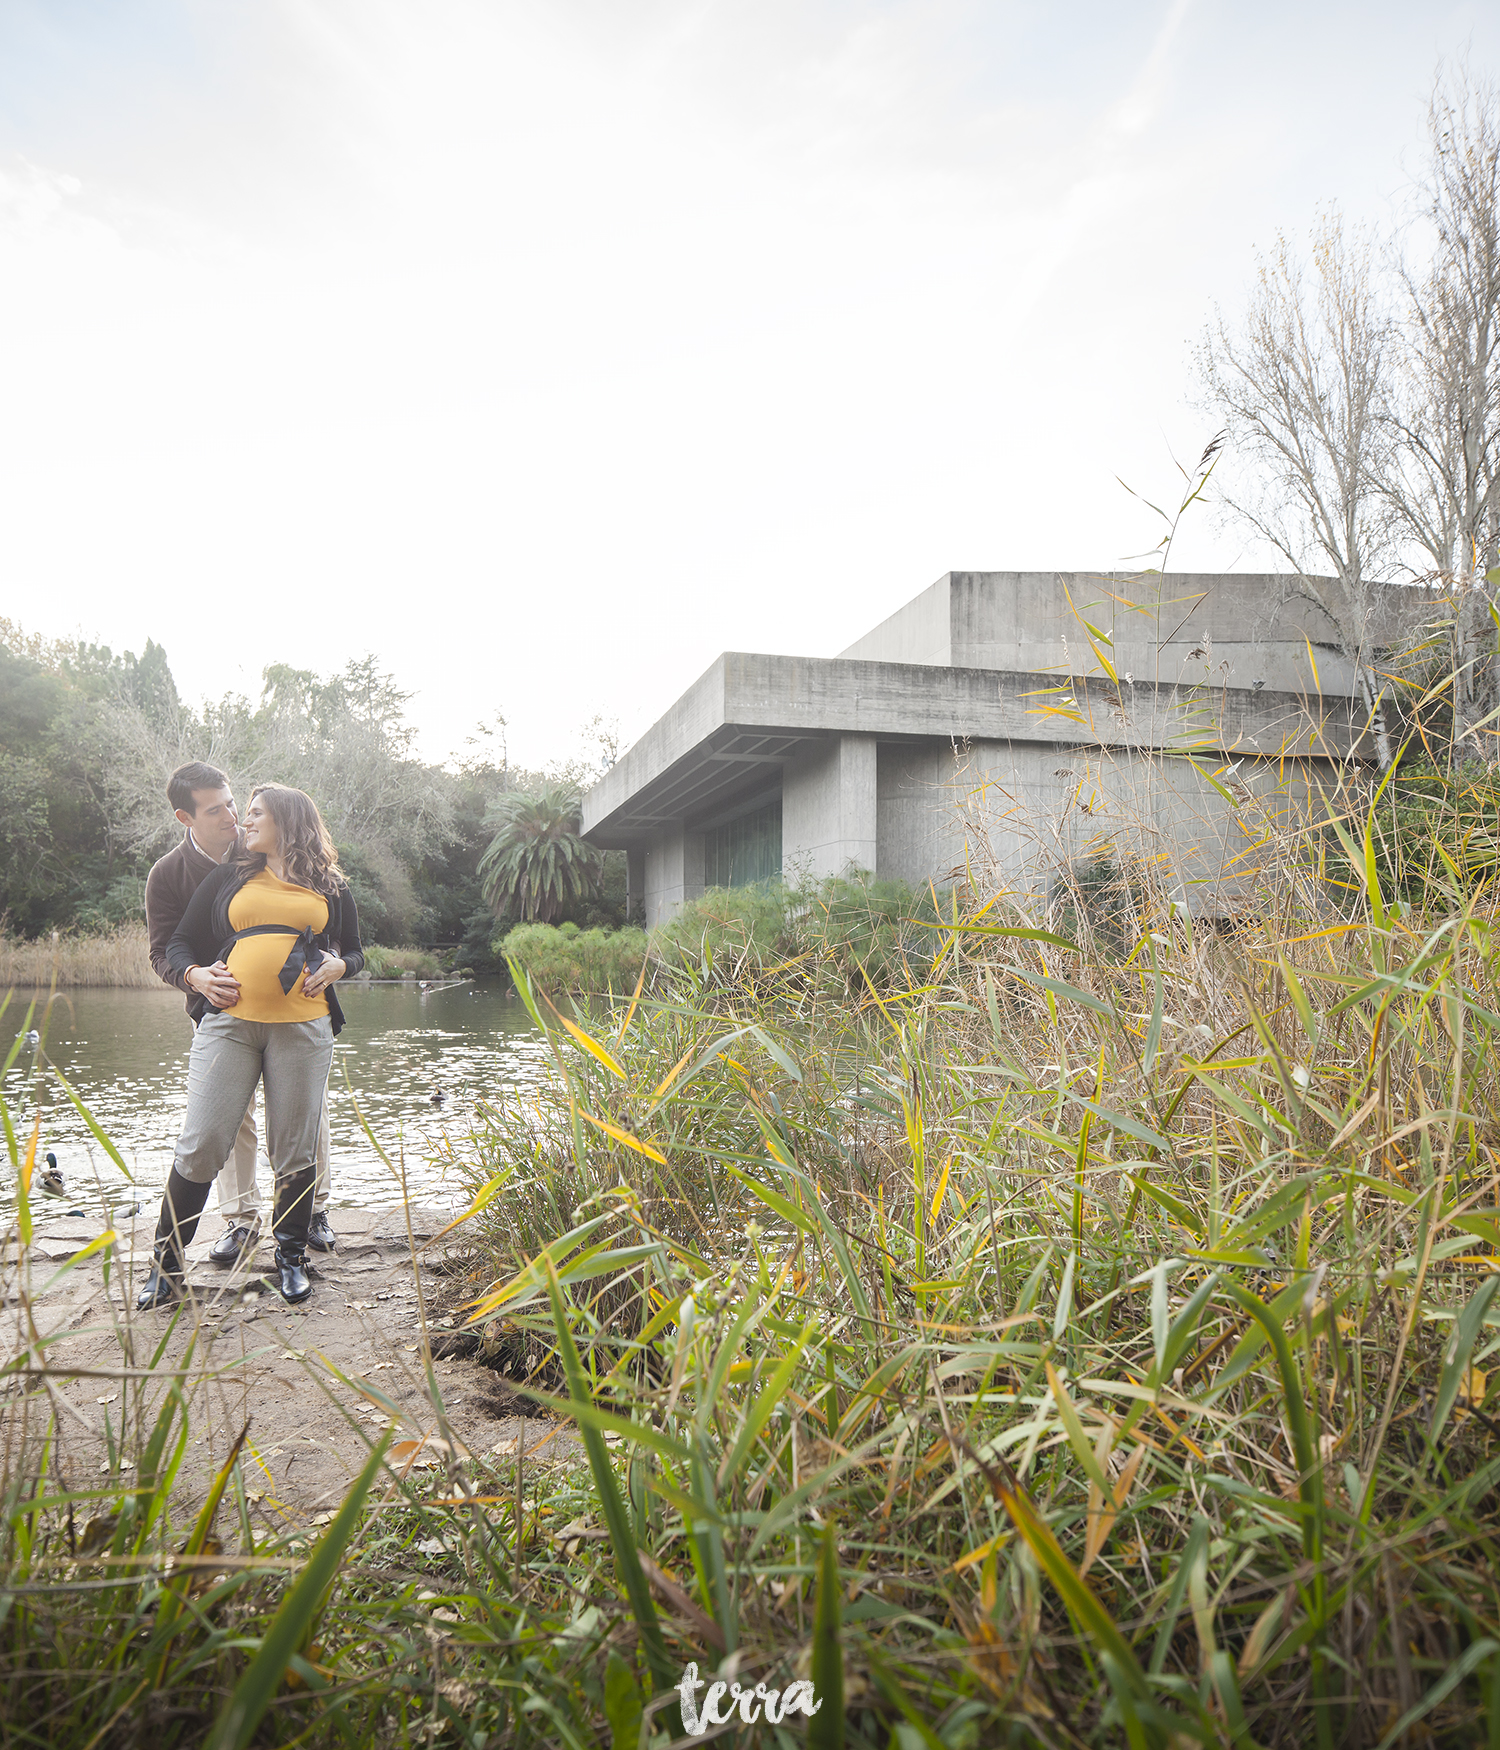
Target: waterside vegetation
(1038, 1343)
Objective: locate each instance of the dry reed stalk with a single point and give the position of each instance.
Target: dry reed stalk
(119, 959)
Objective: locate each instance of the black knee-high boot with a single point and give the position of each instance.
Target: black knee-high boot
(294, 1195)
(181, 1204)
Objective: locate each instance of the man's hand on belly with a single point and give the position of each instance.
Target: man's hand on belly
(217, 983)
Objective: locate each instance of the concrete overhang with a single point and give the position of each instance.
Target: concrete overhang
(748, 714)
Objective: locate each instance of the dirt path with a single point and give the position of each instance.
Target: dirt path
(255, 1358)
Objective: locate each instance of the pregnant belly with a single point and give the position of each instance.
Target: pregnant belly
(256, 963)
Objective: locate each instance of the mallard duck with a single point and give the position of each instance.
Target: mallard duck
(51, 1178)
(438, 1096)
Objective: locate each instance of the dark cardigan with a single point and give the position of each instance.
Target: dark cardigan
(205, 927)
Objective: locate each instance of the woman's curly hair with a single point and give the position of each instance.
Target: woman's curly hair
(307, 852)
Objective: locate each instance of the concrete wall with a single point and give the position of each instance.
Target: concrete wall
(1009, 816)
(828, 811)
(673, 872)
(1185, 628)
(635, 882)
(922, 632)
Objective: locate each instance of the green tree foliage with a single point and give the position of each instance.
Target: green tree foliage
(537, 860)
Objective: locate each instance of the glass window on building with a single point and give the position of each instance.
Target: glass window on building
(744, 850)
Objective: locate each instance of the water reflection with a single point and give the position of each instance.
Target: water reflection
(125, 1053)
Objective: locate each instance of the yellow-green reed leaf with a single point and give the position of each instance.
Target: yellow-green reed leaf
(1174, 1206)
(1076, 1594)
(99, 1243)
(745, 1319)
(1078, 1439)
(660, 1319)
(1019, 934)
(23, 1183)
(1209, 779)
(528, 1277)
(783, 1206)
(624, 1137)
(94, 1130)
(483, 1198)
(1118, 1121)
(1159, 1322)
(640, 985)
(587, 1414)
(172, 1596)
(1055, 987)
(521, 979)
(1310, 1486)
(693, 1509)
(890, 1687)
(786, 1063)
(670, 1077)
(826, 1729)
(1153, 1029)
(1456, 1673)
(627, 1558)
(1299, 1000)
(942, 1186)
(761, 1410)
(1456, 1353)
(256, 1689)
(593, 1047)
(1198, 1537)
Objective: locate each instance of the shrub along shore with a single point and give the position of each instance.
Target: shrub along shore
(1025, 1338)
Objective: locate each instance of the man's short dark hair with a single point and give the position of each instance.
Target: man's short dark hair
(195, 775)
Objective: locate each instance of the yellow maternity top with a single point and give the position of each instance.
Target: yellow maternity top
(257, 962)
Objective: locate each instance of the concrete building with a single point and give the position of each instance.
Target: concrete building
(977, 733)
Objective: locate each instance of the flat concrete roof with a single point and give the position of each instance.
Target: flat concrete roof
(747, 714)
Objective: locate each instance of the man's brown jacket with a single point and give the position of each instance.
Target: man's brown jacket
(172, 882)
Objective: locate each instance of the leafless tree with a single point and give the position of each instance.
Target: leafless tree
(1443, 486)
(1301, 386)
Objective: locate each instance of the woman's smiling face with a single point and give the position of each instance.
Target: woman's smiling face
(260, 829)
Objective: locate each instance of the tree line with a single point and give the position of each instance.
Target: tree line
(88, 738)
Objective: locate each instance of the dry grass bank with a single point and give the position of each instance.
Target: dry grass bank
(118, 959)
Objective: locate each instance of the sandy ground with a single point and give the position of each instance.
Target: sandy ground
(255, 1359)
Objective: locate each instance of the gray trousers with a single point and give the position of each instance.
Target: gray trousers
(228, 1059)
(239, 1195)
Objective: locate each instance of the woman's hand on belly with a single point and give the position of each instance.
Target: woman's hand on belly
(215, 982)
(329, 969)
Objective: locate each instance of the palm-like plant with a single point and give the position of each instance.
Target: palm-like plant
(537, 861)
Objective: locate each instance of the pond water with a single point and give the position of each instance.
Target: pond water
(125, 1054)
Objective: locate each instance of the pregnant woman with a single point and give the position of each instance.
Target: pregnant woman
(261, 944)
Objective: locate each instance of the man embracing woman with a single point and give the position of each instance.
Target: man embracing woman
(264, 939)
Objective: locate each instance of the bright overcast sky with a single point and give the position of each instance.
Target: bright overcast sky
(546, 350)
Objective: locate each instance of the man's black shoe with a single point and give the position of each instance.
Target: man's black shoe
(233, 1244)
(320, 1235)
(164, 1284)
(291, 1276)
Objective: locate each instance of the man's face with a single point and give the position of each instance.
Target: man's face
(215, 820)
